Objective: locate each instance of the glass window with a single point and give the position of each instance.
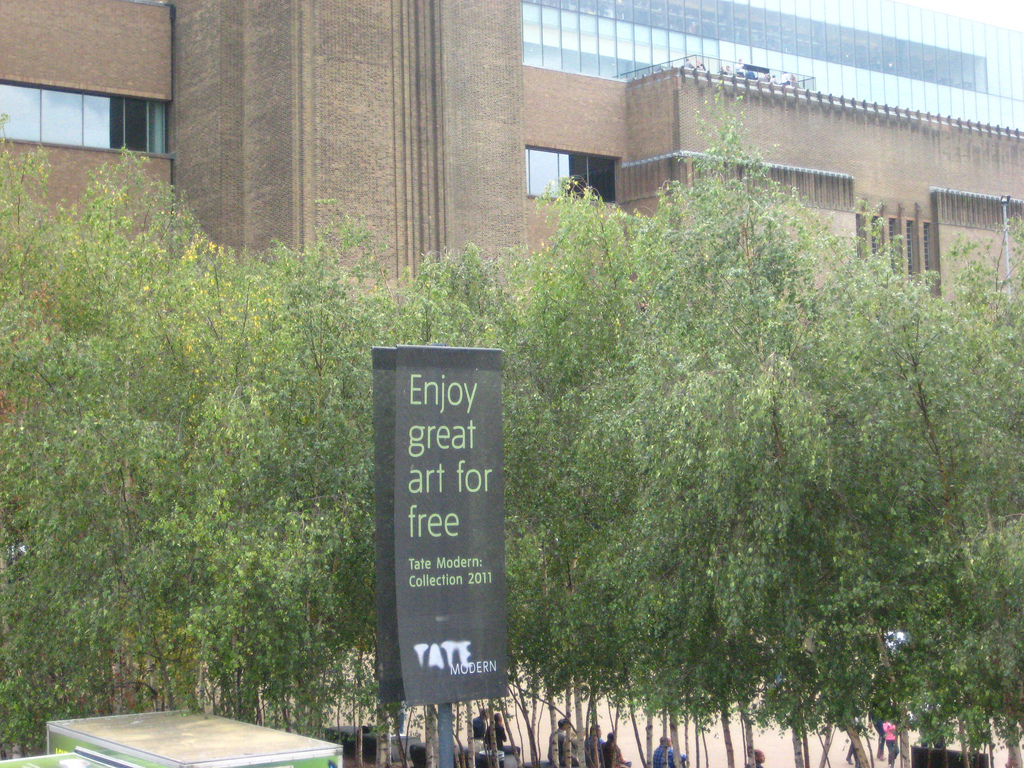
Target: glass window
(803, 36)
(157, 125)
(970, 104)
(916, 60)
(542, 168)
(691, 16)
(551, 37)
(956, 69)
(931, 97)
(589, 62)
(757, 27)
(709, 18)
(848, 46)
(876, 53)
(725, 26)
(545, 169)
(927, 246)
(903, 58)
(62, 118)
(928, 28)
(641, 11)
(531, 36)
(676, 15)
(913, 29)
(830, 11)
(945, 101)
(598, 173)
(96, 122)
(77, 119)
(21, 105)
(910, 246)
(659, 13)
(862, 57)
(1016, 66)
(741, 24)
(642, 51)
(606, 48)
(832, 82)
(917, 98)
(863, 91)
(941, 30)
(929, 68)
(677, 45)
(135, 120)
(833, 49)
(788, 33)
(981, 74)
(877, 88)
(903, 96)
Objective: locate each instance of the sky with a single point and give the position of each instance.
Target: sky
(1001, 13)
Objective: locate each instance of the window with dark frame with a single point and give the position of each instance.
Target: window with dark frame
(83, 120)
(911, 244)
(546, 167)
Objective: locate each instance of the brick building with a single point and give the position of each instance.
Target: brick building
(437, 122)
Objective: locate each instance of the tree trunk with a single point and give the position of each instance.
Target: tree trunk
(798, 750)
(673, 733)
(466, 758)
(650, 740)
(730, 755)
(828, 746)
(858, 747)
(430, 735)
(383, 739)
(581, 724)
(553, 741)
(639, 742)
(748, 736)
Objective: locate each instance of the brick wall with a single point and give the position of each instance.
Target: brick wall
(106, 46)
(574, 113)
(893, 158)
(207, 115)
(483, 124)
(354, 109)
(70, 168)
(404, 115)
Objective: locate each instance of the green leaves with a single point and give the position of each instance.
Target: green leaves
(744, 466)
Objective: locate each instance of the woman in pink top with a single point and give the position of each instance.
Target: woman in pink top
(890, 742)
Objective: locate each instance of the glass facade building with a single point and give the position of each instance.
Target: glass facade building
(873, 50)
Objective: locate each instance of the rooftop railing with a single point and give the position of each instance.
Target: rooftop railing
(725, 68)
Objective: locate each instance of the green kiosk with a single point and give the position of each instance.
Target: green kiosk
(176, 740)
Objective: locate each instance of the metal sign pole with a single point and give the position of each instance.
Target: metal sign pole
(445, 737)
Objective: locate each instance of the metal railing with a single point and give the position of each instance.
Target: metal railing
(724, 68)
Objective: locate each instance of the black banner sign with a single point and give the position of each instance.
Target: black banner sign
(449, 524)
(389, 665)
